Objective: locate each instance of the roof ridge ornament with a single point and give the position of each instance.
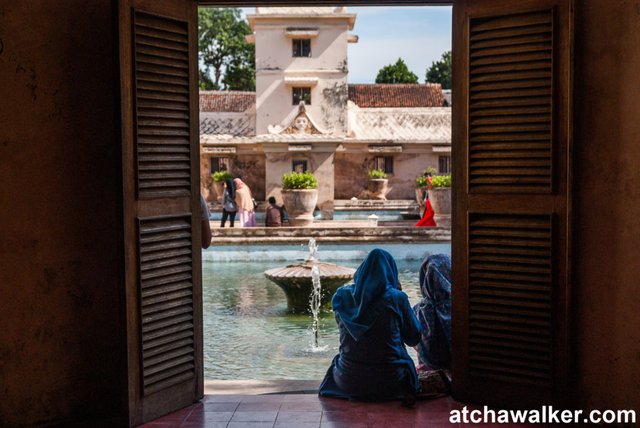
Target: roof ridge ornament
(298, 123)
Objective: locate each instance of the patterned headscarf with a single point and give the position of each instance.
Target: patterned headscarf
(434, 312)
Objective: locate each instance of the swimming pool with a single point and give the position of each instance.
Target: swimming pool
(248, 334)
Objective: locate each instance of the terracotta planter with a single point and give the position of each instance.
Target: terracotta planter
(440, 198)
(218, 187)
(377, 188)
(300, 204)
(207, 191)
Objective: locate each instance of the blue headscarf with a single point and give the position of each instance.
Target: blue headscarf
(358, 305)
(434, 312)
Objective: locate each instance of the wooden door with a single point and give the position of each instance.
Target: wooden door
(512, 177)
(159, 119)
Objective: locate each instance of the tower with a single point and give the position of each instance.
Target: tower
(301, 55)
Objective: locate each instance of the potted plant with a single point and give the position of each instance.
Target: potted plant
(300, 195)
(440, 198)
(219, 177)
(377, 186)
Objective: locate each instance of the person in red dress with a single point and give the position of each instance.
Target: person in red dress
(427, 217)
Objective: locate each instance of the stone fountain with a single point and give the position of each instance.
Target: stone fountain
(296, 280)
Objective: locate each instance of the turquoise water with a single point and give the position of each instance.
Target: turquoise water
(383, 215)
(247, 332)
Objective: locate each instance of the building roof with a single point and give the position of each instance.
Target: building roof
(226, 101)
(233, 124)
(377, 95)
(230, 116)
(419, 125)
(407, 95)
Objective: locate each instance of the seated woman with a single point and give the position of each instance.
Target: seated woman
(434, 314)
(374, 318)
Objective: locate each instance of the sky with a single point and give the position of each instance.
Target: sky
(417, 34)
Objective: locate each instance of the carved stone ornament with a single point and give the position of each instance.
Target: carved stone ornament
(298, 124)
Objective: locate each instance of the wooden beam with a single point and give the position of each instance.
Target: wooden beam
(247, 3)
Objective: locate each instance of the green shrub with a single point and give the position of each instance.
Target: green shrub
(377, 173)
(441, 181)
(221, 175)
(430, 170)
(299, 180)
(422, 181)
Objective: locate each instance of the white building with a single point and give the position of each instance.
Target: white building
(341, 132)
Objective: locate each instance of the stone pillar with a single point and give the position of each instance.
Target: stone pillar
(321, 166)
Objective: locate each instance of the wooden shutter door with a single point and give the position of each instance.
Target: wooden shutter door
(512, 178)
(159, 114)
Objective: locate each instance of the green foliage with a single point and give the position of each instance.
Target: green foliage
(396, 73)
(440, 71)
(227, 60)
(299, 180)
(422, 181)
(430, 170)
(221, 175)
(377, 173)
(441, 181)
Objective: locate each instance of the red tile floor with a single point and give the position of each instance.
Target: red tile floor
(309, 411)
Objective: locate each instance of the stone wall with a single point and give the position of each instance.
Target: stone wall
(251, 167)
(352, 167)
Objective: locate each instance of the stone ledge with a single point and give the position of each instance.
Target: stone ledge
(228, 236)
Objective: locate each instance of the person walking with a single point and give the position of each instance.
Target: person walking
(229, 205)
(244, 200)
(427, 217)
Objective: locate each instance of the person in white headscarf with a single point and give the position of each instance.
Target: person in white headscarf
(244, 200)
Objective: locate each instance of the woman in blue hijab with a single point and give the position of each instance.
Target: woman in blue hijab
(434, 313)
(375, 320)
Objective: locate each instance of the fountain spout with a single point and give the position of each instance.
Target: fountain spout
(313, 250)
(298, 281)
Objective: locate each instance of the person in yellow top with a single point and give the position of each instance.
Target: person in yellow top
(244, 200)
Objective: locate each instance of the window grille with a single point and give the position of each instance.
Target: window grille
(301, 47)
(301, 94)
(384, 163)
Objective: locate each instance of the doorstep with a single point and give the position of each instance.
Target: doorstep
(259, 387)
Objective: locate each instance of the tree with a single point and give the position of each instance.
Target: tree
(440, 71)
(396, 73)
(226, 59)
(240, 77)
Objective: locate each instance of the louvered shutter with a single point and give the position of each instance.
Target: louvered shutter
(161, 67)
(511, 146)
(158, 69)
